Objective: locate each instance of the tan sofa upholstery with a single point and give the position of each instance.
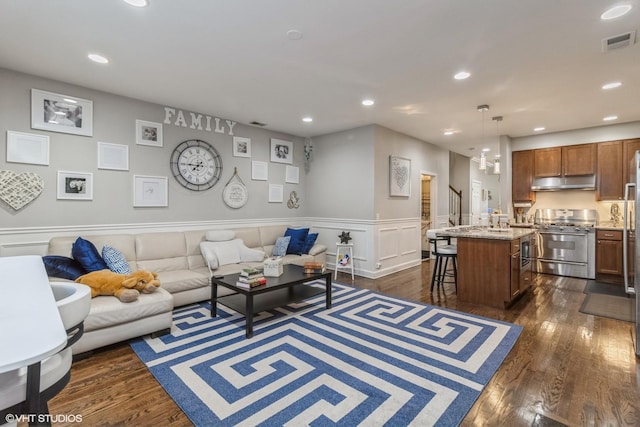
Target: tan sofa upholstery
(183, 273)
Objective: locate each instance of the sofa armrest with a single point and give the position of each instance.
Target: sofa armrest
(317, 249)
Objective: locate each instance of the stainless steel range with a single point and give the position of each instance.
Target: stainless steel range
(566, 242)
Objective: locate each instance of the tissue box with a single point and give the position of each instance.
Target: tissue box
(272, 267)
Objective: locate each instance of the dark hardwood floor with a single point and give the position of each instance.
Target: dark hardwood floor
(574, 369)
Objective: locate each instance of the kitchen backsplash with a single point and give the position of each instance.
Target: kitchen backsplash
(573, 199)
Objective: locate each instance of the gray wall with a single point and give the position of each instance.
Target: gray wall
(114, 122)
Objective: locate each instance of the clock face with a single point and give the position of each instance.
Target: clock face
(196, 165)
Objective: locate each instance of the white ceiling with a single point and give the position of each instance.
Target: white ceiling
(535, 62)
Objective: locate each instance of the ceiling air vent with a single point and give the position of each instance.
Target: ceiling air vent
(619, 41)
(257, 123)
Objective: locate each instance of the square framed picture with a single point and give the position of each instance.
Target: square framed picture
(281, 151)
(399, 176)
(241, 147)
(61, 113)
(27, 148)
(148, 133)
(276, 193)
(113, 156)
(75, 185)
(150, 191)
(259, 171)
(292, 175)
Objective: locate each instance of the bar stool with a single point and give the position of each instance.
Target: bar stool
(444, 253)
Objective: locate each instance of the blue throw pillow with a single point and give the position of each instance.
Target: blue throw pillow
(115, 260)
(62, 267)
(280, 248)
(309, 242)
(298, 236)
(87, 255)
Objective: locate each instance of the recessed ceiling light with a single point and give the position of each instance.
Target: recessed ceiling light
(462, 75)
(610, 118)
(137, 3)
(616, 12)
(449, 132)
(368, 102)
(98, 58)
(486, 149)
(307, 119)
(294, 35)
(498, 156)
(538, 129)
(611, 85)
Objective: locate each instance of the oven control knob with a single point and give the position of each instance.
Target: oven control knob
(577, 228)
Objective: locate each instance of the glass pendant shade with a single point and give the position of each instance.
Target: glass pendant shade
(483, 161)
(496, 167)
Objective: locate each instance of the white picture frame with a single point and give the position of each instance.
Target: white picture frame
(27, 148)
(61, 113)
(259, 171)
(292, 175)
(281, 151)
(148, 133)
(241, 147)
(399, 176)
(75, 185)
(150, 191)
(276, 193)
(113, 156)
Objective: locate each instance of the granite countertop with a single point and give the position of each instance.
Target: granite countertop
(474, 232)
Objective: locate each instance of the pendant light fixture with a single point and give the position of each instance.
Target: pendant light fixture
(496, 163)
(483, 155)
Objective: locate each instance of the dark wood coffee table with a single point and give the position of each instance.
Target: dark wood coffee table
(277, 292)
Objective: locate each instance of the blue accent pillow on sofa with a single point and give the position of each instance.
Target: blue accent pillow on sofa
(280, 248)
(309, 242)
(63, 267)
(115, 260)
(298, 236)
(87, 255)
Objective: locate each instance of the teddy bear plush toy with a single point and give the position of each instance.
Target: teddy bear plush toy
(126, 287)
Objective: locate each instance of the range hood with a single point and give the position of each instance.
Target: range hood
(587, 182)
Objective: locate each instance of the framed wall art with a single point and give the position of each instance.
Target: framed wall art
(281, 151)
(276, 193)
(399, 176)
(148, 133)
(292, 175)
(113, 156)
(61, 113)
(241, 147)
(150, 191)
(75, 185)
(259, 171)
(27, 148)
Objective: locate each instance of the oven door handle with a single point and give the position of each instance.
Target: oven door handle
(555, 261)
(562, 233)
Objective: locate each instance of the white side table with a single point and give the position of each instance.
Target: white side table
(344, 259)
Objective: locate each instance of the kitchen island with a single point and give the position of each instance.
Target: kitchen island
(494, 265)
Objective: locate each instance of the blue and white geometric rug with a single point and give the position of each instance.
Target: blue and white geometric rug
(369, 360)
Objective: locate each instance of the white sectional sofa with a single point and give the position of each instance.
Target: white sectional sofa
(183, 273)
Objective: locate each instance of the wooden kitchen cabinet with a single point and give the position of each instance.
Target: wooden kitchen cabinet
(522, 177)
(547, 162)
(609, 182)
(609, 256)
(578, 160)
(630, 146)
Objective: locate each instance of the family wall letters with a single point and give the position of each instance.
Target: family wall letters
(197, 121)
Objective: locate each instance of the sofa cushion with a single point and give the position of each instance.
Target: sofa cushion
(63, 267)
(298, 236)
(115, 260)
(234, 251)
(220, 235)
(87, 255)
(280, 248)
(107, 311)
(182, 280)
(309, 241)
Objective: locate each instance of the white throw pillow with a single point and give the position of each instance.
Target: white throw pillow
(227, 252)
(250, 255)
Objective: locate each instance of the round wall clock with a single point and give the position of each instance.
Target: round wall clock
(196, 165)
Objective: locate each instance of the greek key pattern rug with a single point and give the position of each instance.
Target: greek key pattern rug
(369, 360)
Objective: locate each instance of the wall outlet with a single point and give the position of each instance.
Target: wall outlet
(378, 266)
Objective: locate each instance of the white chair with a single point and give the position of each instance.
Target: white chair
(73, 301)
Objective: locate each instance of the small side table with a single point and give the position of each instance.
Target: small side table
(344, 259)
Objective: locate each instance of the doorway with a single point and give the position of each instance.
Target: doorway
(426, 211)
